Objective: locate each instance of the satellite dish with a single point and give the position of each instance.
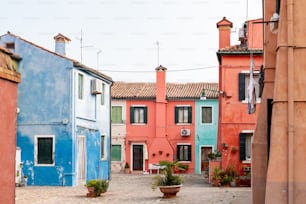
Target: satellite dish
(274, 23)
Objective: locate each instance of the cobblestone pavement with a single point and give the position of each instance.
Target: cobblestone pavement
(133, 188)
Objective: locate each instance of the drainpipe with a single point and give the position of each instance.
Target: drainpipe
(110, 130)
(290, 90)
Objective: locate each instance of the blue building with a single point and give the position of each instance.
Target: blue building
(206, 128)
(64, 115)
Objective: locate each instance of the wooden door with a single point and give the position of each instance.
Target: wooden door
(137, 157)
(204, 157)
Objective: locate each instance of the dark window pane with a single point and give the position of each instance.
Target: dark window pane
(45, 150)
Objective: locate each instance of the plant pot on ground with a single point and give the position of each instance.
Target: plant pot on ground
(168, 183)
(96, 187)
(127, 168)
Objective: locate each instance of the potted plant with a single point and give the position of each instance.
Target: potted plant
(232, 174)
(127, 168)
(168, 183)
(218, 155)
(96, 187)
(217, 176)
(211, 155)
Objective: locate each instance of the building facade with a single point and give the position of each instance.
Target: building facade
(238, 65)
(64, 120)
(160, 123)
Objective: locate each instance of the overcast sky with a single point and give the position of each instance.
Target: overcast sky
(119, 37)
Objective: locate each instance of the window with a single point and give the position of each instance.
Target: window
(80, 86)
(206, 114)
(10, 45)
(116, 152)
(244, 79)
(183, 114)
(184, 152)
(44, 150)
(245, 146)
(138, 114)
(102, 143)
(117, 114)
(103, 95)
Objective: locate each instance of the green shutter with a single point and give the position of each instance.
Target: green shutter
(117, 114)
(176, 110)
(241, 86)
(145, 114)
(242, 146)
(190, 114)
(131, 114)
(178, 153)
(116, 152)
(189, 153)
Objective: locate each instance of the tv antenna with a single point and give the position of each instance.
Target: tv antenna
(81, 45)
(157, 44)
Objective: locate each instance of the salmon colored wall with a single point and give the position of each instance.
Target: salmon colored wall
(255, 34)
(174, 131)
(234, 116)
(139, 133)
(8, 117)
(155, 142)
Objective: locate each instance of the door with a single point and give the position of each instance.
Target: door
(81, 160)
(137, 157)
(204, 158)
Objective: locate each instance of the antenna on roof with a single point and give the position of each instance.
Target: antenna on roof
(81, 45)
(157, 43)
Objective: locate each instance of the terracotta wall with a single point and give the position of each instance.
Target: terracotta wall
(8, 115)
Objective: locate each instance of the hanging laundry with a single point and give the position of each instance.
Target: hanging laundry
(261, 81)
(251, 90)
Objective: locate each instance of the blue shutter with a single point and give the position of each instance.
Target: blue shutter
(242, 146)
(241, 86)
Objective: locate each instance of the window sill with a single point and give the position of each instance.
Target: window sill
(183, 124)
(139, 124)
(249, 161)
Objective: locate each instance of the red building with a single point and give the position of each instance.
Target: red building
(236, 125)
(160, 121)
(9, 79)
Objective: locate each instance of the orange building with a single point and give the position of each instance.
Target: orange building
(236, 125)
(159, 121)
(9, 79)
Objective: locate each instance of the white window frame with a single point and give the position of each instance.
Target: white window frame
(103, 156)
(250, 134)
(212, 114)
(102, 95)
(36, 137)
(82, 87)
(246, 99)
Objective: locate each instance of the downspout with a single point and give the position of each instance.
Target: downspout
(110, 130)
(290, 91)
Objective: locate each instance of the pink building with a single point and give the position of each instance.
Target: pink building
(158, 122)
(9, 79)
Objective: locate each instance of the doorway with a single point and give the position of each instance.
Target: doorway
(137, 157)
(205, 150)
(81, 159)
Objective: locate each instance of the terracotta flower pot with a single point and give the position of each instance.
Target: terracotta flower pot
(170, 191)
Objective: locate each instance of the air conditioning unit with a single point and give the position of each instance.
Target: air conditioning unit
(185, 132)
(96, 86)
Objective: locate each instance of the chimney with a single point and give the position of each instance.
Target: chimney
(224, 27)
(60, 44)
(161, 84)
